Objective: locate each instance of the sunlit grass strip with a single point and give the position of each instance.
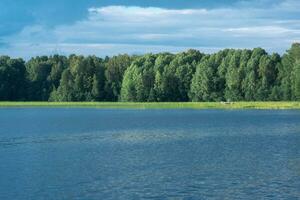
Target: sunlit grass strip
(159, 105)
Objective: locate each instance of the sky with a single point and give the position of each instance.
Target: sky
(110, 27)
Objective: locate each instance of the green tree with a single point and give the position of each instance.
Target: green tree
(204, 82)
(287, 72)
(65, 91)
(249, 84)
(115, 68)
(128, 90)
(38, 75)
(267, 76)
(12, 79)
(187, 76)
(161, 68)
(296, 80)
(233, 78)
(139, 79)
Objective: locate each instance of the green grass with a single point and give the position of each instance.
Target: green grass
(160, 105)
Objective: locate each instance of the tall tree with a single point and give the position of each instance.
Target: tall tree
(287, 72)
(249, 85)
(12, 79)
(204, 83)
(115, 69)
(233, 78)
(230, 74)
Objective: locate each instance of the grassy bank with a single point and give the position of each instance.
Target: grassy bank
(168, 105)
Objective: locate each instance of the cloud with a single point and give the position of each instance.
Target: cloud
(263, 31)
(121, 29)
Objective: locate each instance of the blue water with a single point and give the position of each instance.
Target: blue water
(149, 154)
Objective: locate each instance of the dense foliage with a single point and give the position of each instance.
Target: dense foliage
(232, 75)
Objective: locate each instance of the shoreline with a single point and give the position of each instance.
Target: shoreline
(156, 105)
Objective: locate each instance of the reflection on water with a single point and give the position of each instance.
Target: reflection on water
(149, 154)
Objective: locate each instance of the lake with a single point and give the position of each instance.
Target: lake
(85, 153)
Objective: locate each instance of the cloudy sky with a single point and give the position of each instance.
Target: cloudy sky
(107, 27)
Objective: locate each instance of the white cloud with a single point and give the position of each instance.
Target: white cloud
(263, 31)
(120, 29)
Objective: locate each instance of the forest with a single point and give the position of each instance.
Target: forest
(227, 75)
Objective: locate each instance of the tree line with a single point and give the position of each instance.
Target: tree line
(228, 75)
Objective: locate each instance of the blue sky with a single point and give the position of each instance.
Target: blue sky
(107, 27)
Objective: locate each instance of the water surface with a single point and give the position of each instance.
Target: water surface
(57, 153)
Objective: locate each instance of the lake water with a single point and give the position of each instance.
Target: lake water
(91, 154)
